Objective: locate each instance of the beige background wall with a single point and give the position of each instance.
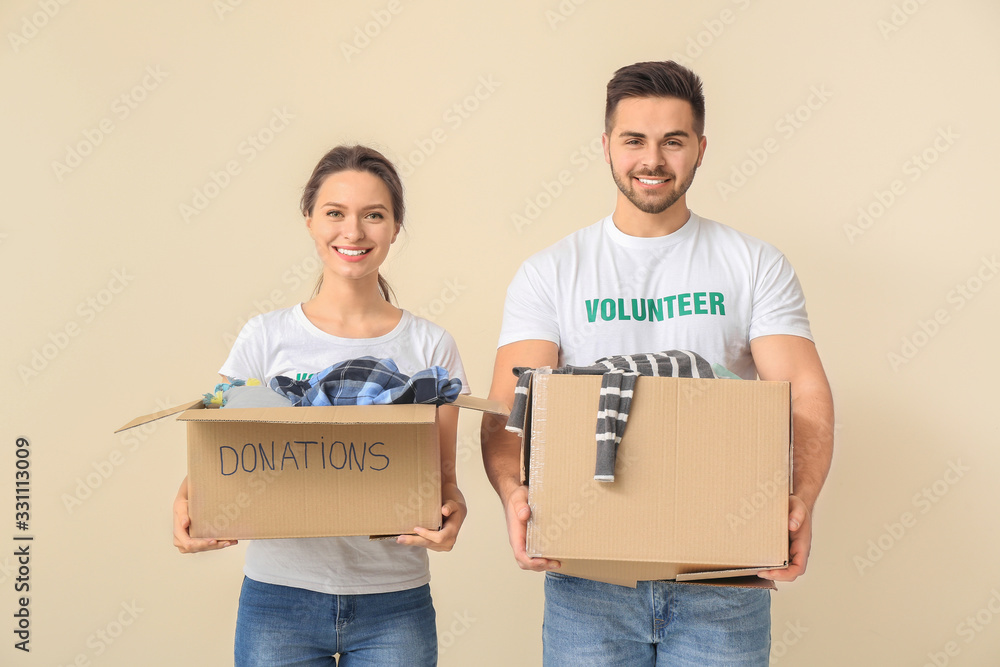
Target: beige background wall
(117, 300)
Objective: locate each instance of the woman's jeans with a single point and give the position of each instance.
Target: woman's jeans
(279, 625)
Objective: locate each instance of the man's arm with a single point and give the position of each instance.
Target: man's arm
(502, 449)
(794, 359)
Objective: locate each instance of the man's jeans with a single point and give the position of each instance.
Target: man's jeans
(656, 623)
(279, 625)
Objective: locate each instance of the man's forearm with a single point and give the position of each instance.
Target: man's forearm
(812, 418)
(501, 455)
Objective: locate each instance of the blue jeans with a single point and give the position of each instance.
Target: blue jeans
(656, 623)
(279, 625)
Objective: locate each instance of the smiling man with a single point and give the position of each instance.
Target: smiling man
(650, 277)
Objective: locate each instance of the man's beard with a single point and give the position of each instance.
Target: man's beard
(653, 206)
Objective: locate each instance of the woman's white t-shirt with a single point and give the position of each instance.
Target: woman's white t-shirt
(285, 342)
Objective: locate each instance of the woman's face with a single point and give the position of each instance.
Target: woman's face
(353, 224)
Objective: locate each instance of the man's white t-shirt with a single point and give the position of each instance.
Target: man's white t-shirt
(285, 342)
(706, 288)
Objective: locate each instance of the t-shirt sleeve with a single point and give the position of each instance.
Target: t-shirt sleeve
(779, 305)
(446, 356)
(247, 354)
(529, 312)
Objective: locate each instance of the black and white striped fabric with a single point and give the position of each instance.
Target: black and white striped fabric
(620, 373)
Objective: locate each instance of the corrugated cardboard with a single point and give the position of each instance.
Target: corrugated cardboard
(701, 481)
(313, 471)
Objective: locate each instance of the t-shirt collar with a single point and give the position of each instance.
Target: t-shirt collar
(687, 230)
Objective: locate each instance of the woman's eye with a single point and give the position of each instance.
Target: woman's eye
(377, 216)
(333, 214)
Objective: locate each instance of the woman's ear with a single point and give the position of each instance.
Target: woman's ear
(396, 233)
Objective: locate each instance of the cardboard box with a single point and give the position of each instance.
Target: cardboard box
(313, 471)
(701, 485)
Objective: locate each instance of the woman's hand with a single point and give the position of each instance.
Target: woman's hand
(182, 527)
(454, 511)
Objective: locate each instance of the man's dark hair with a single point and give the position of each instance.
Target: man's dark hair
(656, 79)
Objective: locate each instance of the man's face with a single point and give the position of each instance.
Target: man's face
(653, 151)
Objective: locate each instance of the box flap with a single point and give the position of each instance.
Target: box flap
(719, 574)
(145, 419)
(735, 582)
(628, 573)
(341, 414)
(481, 404)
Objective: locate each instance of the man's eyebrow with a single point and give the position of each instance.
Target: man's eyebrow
(640, 135)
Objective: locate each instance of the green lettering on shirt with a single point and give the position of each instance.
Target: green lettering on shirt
(608, 310)
(699, 303)
(646, 309)
(715, 302)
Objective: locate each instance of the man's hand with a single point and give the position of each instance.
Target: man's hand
(800, 541)
(502, 449)
(517, 512)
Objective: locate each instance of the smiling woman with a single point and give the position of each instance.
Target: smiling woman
(365, 180)
(353, 210)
